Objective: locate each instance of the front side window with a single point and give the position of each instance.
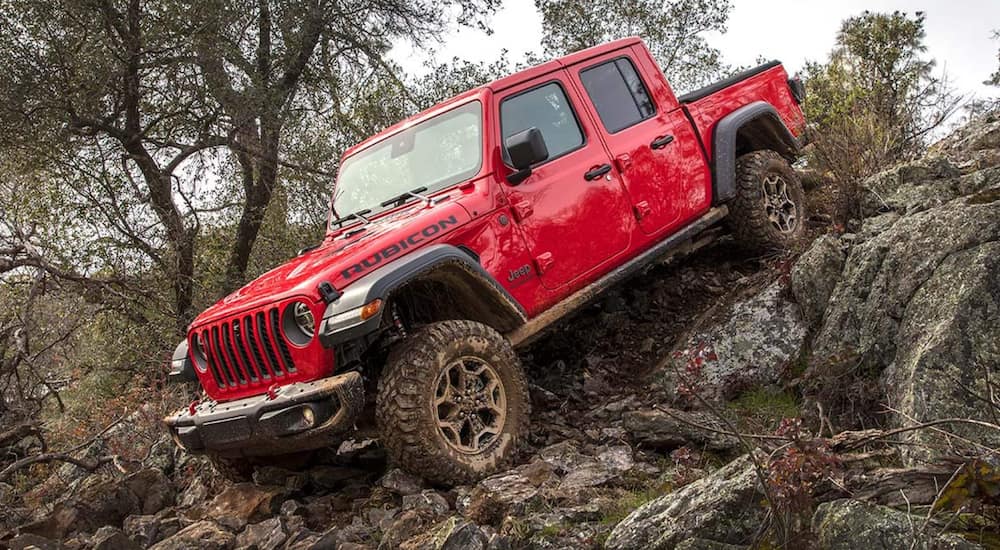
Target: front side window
(547, 109)
(435, 154)
(618, 94)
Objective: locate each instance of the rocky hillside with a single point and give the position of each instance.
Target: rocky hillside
(842, 398)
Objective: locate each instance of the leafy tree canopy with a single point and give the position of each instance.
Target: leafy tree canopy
(674, 30)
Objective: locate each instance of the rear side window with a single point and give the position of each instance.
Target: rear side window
(618, 94)
(547, 109)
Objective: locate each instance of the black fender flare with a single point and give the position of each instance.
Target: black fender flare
(181, 367)
(337, 326)
(778, 136)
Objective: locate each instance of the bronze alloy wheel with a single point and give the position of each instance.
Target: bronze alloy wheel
(470, 404)
(452, 404)
(780, 207)
(769, 210)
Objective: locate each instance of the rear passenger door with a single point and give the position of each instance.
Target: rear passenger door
(643, 138)
(572, 210)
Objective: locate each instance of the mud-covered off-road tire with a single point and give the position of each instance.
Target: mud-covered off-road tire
(425, 437)
(769, 211)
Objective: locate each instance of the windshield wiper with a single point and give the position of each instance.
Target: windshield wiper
(400, 199)
(359, 215)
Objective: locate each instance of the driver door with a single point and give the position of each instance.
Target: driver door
(572, 210)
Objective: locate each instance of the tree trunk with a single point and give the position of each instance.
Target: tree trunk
(260, 176)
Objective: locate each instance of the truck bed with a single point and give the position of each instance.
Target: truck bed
(767, 82)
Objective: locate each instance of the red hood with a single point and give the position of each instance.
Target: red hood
(339, 260)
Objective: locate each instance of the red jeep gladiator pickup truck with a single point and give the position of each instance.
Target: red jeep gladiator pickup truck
(458, 234)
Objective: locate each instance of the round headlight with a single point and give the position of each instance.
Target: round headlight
(304, 318)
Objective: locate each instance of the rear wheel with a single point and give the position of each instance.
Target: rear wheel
(768, 212)
(453, 404)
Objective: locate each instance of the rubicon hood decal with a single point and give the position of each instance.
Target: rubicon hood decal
(393, 249)
(341, 261)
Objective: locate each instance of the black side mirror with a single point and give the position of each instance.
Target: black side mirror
(525, 149)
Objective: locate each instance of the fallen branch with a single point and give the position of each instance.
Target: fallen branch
(89, 465)
(66, 456)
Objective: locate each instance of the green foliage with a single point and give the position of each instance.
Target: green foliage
(875, 101)
(762, 409)
(994, 79)
(134, 169)
(674, 30)
(629, 502)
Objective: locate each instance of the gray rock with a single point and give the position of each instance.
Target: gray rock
(513, 490)
(292, 507)
(618, 458)
(759, 337)
(564, 456)
(266, 535)
(949, 336)
(111, 538)
(406, 526)
(657, 429)
(193, 494)
(453, 533)
(241, 504)
(724, 506)
(100, 501)
(815, 274)
(429, 500)
(27, 541)
(401, 483)
(592, 474)
(206, 535)
(912, 186)
(147, 529)
(271, 475)
(919, 304)
(141, 529)
(849, 524)
(152, 489)
(334, 477)
(703, 544)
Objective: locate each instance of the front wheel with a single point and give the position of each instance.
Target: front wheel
(452, 403)
(768, 212)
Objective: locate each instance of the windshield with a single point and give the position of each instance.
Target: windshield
(436, 153)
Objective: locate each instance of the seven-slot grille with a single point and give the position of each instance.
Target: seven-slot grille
(246, 350)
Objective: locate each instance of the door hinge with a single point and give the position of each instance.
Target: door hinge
(543, 262)
(623, 161)
(522, 210)
(641, 210)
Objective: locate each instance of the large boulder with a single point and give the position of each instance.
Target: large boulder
(205, 535)
(453, 533)
(758, 338)
(912, 186)
(266, 535)
(815, 275)
(919, 305)
(102, 501)
(240, 504)
(725, 506)
(848, 524)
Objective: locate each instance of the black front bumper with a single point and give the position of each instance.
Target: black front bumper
(269, 425)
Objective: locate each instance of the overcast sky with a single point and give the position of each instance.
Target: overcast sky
(793, 31)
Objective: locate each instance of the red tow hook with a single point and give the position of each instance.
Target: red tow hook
(194, 405)
(272, 392)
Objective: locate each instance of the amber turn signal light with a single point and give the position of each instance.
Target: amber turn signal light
(370, 309)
